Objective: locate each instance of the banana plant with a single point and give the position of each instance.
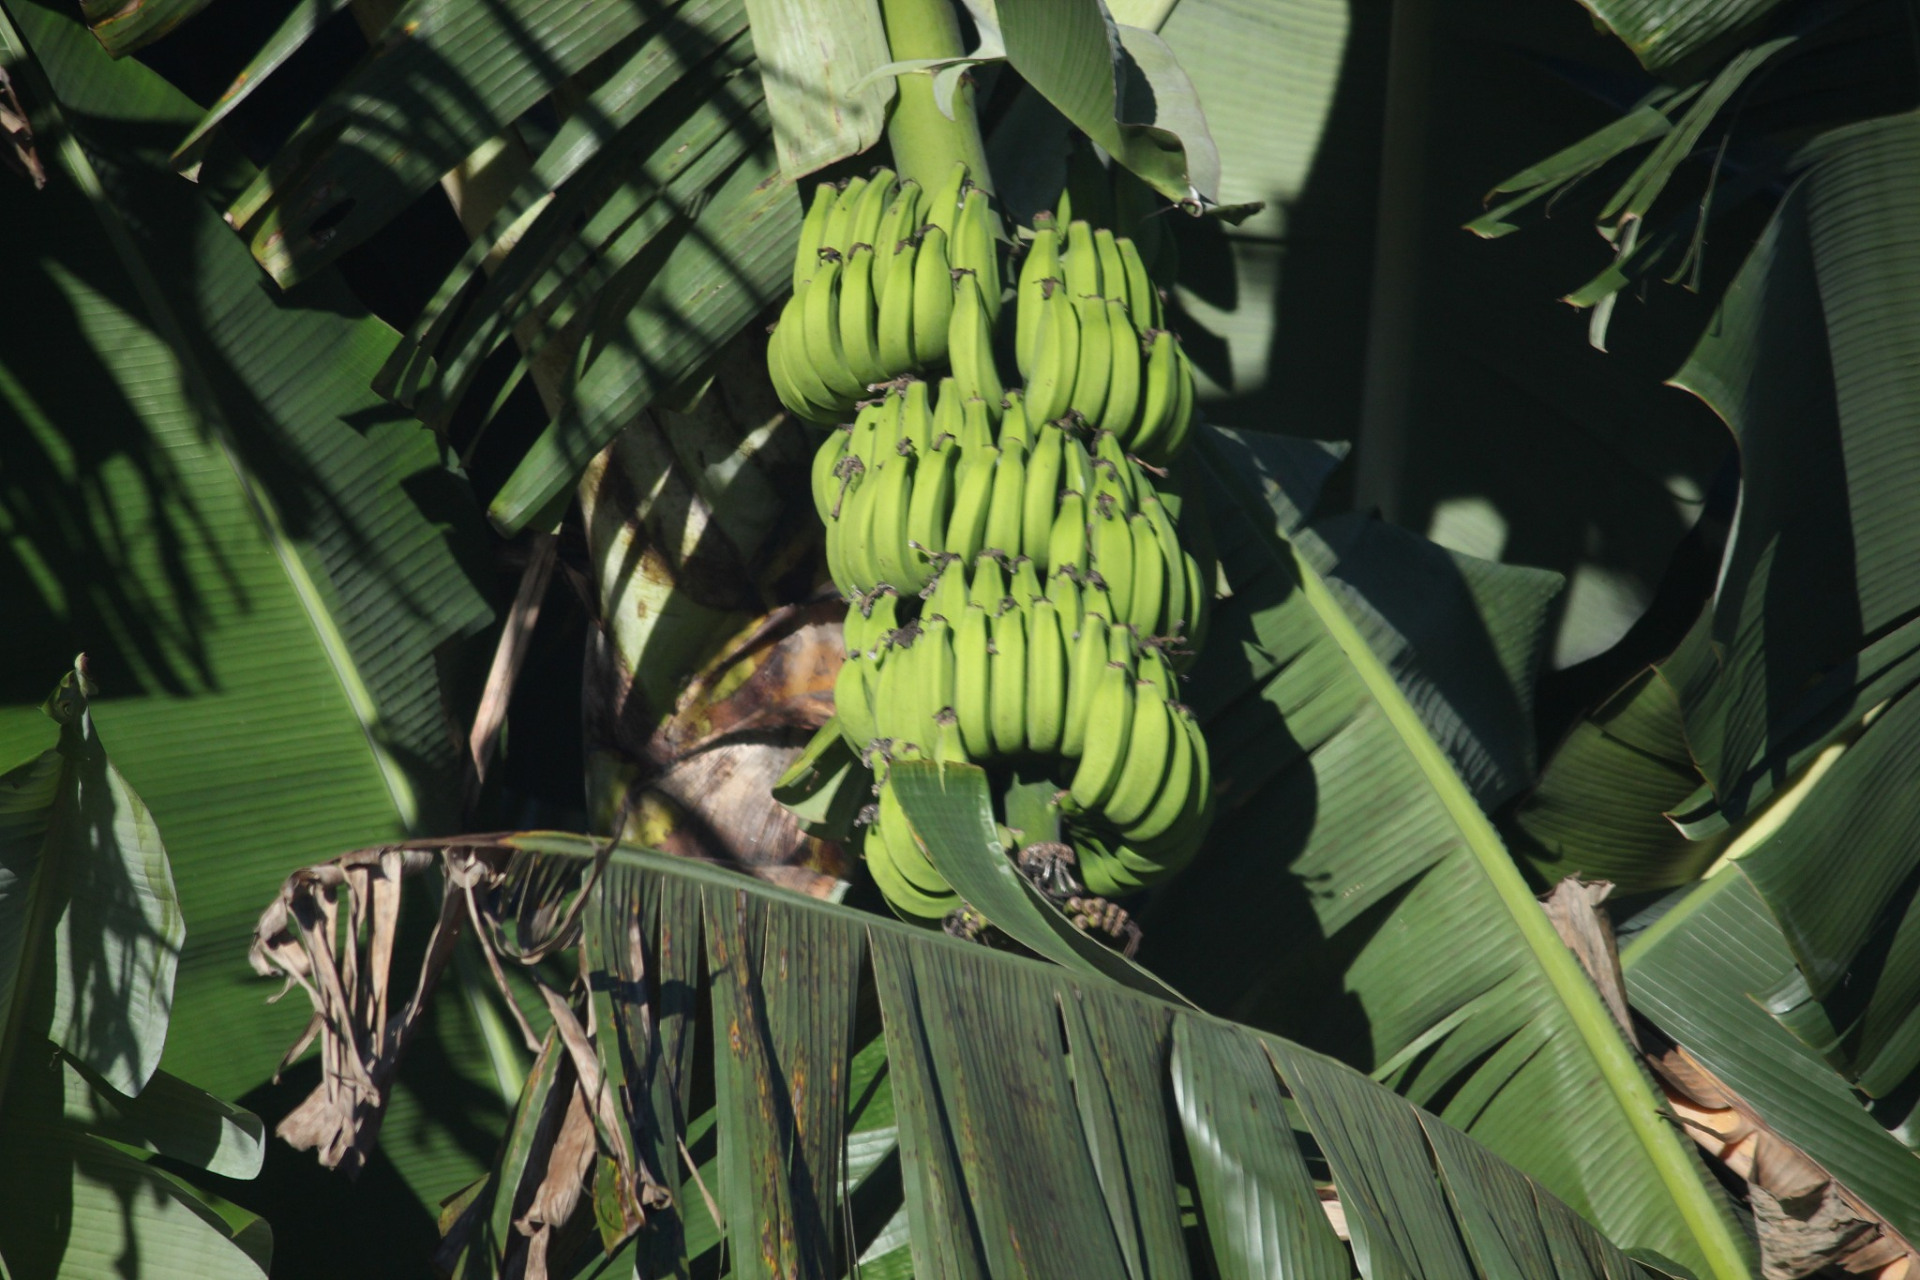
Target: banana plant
(90, 938)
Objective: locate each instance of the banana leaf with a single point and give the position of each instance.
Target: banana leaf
(90, 933)
(1048, 1121)
(262, 559)
(1350, 841)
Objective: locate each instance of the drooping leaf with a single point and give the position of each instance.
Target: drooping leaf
(1667, 34)
(1072, 53)
(1350, 842)
(1036, 1108)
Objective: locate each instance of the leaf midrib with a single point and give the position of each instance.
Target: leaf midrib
(1617, 1066)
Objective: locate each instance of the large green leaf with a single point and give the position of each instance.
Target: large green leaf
(1037, 1109)
(92, 933)
(1665, 34)
(1697, 973)
(1354, 845)
(259, 555)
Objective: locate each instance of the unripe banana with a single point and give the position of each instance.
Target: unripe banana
(947, 411)
(1076, 466)
(1149, 757)
(806, 394)
(825, 478)
(1023, 585)
(974, 248)
(1183, 414)
(932, 299)
(836, 235)
(970, 343)
(976, 423)
(1110, 449)
(967, 530)
(988, 585)
(1122, 408)
(1162, 394)
(1199, 606)
(900, 225)
(1014, 423)
(1109, 731)
(1143, 300)
(1152, 667)
(916, 416)
(1064, 590)
(1009, 633)
(937, 674)
(1095, 371)
(1041, 263)
(948, 595)
(821, 328)
(1042, 494)
(1171, 801)
(894, 326)
(1082, 262)
(973, 688)
(1113, 273)
(1148, 600)
(1056, 356)
(857, 314)
(894, 704)
(1084, 674)
(1046, 677)
(863, 225)
(905, 850)
(1009, 499)
(931, 510)
(1111, 541)
(899, 566)
(851, 705)
(908, 901)
(943, 201)
(806, 258)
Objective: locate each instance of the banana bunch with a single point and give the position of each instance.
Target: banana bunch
(995, 669)
(888, 281)
(918, 481)
(1088, 341)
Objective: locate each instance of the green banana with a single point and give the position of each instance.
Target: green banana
(821, 329)
(947, 411)
(972, 687)
(916, 416)
(1143, 300)
(858, 311)
(894, 271)
(1109, 730)
(1183, 414)
(989, 583)
(1041, 263)
(1147, 601)
(931, 509)
(900, 225)
(812, 230)
(976, 422)
(1064, 590)
(1046, 677)
(974, 248)
(1056, 357)
(908, 901)
(1113, 271)
(947, 597)
(1081, 262)
(863, 224)
(1042, 494)
(1111, 544)
(787, 359)
(852, 705)
(1095, 371)
(898, 566)
(1124, 365)
(1014, 423)
(1162, 392)
(905, 850)
(825, 477)
(943, 203)
(1110, 449)
(936, 674)
(835, 235)
(1009, 633)
(1009, 499)
(1149, 757)
(1084, 673)
(932, 298)
(967, 530)
(1171, 800)
(1023, 585)
(970, 343)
